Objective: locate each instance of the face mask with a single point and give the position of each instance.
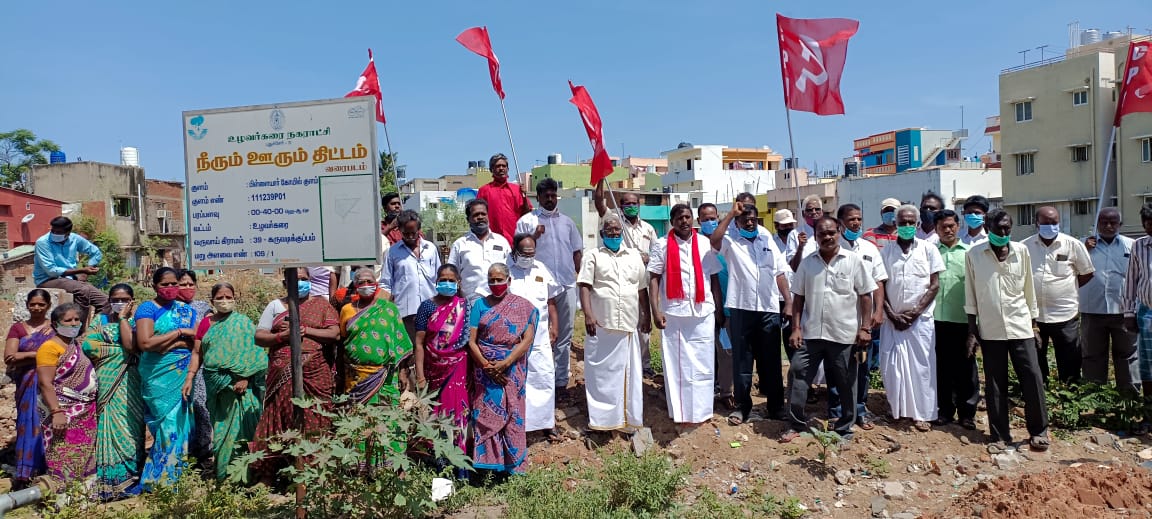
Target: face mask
(499, 290)
(366, 290)
(59, 238)
(446, 288)
(168, 293)
(973, 220)
(118, 307)
(479, 228)
(548, 212)
(303, 287)
(783, 234)
(997, 240)
(927, 218)
(906, 232)
(810, 221)
(631, 210)
(68, 331)
(851, 235)
(1049, 232)
(187, 294)
(224, 306)
(888, 218)
(751, 235)
(525, 262)
(708, 227)
(613, 244)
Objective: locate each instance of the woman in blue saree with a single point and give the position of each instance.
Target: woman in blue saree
(164, 333)
(24, 340)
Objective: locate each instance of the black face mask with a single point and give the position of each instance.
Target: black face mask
(783, 234)
(927, 219)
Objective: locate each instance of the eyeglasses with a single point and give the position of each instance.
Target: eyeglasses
(813, 210)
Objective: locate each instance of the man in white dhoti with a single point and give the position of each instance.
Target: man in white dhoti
(908, 335)
(614, 297)
(531, 280)
(682, 306)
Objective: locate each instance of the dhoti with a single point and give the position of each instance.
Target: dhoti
(540, 387)
(689, 367)
(614, 380)
(908, 365)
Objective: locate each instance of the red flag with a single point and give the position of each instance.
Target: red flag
(476, 40)
(601, 163)
(812, 54)
(1136, 90)
(369, 85)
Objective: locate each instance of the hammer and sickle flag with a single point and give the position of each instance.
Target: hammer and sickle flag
(812, 55)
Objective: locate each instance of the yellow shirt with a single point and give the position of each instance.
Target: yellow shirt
(1000, 293)
(49, 354)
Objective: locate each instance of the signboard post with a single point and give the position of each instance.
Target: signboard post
(284, 185)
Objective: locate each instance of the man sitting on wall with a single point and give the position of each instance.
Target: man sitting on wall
(56, 264)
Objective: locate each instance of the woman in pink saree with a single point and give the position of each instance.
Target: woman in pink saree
(442, 350)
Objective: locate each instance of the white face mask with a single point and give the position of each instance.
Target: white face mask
(1049, 232)
(366, 290)
(525, 262)
(69, 332)
(59, 238)
(119, 307)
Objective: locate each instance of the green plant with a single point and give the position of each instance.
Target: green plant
(878, 467)
(1088, 404)
(113, 268)
(193, 497)
(826, 440)
(784, 508)
(644, 485)
(366, 466)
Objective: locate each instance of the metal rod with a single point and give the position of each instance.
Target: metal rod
(792, 147)
(13, 500)
(515, 160)
(291, 282)
(1104, 180)
(620, 213)
(391, 157)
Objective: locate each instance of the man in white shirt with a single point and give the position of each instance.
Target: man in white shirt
(614, 296)
(409, 273)
(930, 204)
(832, 307)
(532, 280)
(1102, 327)
(1000, 301)
(755, 266)
(908, 336)
(785, 225)
(559, 247)
(975, 207)
(709, 218)
(476, 251)
(682, 307)
(1060, 266)
(802, 240)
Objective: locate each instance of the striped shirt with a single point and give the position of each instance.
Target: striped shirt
(1138, 282)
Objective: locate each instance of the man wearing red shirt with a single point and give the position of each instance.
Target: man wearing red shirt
(884, 233)
(507, 202)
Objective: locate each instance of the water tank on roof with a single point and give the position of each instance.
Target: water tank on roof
(1089, 37)
(472, 164)
(1111, 35)
(57, 157)
(684, 145)
(555, 158)
(465, 195)
(129, 156)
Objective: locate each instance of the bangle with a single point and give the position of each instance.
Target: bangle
(58, 411)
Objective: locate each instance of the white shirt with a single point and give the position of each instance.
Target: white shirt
(274, 308)
(911, 274)
(870, 254)
(640, 235)
(473, 257)
(753, 266)
(538, 286)
(788, 248)
(615, 279)
(555, 247)
(929, 236)
(409, 279)
(1054, 271)
(972, 241)
(831, 292)
(1104, 294)
(794, 240)
(686, 307)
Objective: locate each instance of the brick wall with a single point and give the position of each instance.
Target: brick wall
(4, 243)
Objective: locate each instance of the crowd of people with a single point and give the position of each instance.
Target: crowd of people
(488, 330)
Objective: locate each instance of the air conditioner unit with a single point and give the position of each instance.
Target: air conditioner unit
(162, 213)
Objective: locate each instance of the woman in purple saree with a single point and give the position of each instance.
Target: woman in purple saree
(442, 350)
(24, 340)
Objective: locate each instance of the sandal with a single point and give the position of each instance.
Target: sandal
(968, 423)
(1039, 443)
(553, 437)
(736, 418)
(728, 402)
(865, 424)
(789, 436)
(922, 426)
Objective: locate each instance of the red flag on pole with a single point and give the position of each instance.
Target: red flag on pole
(476, 40)
(812, 54)
(1136, 90)
(601, 163)
(369, 85)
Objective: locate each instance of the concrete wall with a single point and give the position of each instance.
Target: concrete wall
(953, 185)
(573, 176)
(96, 182)
(708, 180)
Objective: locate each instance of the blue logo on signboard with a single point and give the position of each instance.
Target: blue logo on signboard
(196, 131)
(276, 120)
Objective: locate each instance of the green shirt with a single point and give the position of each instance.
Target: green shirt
(950, 298)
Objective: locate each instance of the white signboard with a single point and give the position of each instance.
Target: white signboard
(282, 185)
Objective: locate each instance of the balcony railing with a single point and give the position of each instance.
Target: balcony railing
(1034, 64)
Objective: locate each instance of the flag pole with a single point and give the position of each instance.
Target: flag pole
(792, 147)
(508, 130)
(1104, 180)
(619, 212)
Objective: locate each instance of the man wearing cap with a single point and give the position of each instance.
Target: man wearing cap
(884, 233)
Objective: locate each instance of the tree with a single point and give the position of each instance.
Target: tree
(113, 268)
(19, 150)
(443, 224)
(388, 170)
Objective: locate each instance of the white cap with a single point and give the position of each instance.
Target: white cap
(784, 216)
(890, 202)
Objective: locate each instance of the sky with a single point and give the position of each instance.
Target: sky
(95, 76)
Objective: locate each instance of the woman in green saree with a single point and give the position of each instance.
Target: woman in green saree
(375, 345)
(234, 369)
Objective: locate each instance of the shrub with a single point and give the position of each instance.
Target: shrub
(1088, 404)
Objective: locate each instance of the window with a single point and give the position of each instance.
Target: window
(652, 200)
(689, 162)
(1025, 163)
(1079, 98)
(5, 210)
(1024, 111)
(1079, 154)
(164, 228)
(122, 207)
(1146, 150)
(1082, 207)
(1024, 214)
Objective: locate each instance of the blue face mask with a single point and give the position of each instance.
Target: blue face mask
(888, 218)
(973, 220)
(751, 235)
(303, 287)
(851, 235)
(613, 244)
(708, 227)
(446, 288)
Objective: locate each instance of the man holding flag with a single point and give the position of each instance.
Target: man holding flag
(507, 202)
